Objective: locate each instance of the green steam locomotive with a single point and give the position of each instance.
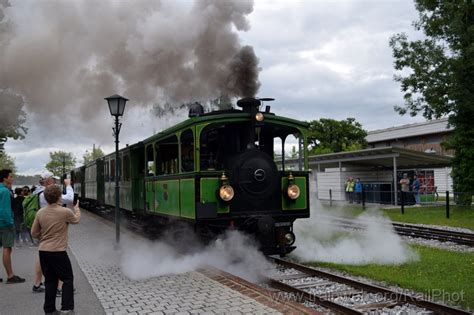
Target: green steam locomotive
(214, 171)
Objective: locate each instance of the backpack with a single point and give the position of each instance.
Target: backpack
(31, 205)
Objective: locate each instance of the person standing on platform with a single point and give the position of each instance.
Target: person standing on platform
(405, 186)
(358, 190)
(7, 226)
(349, 185)
(47, 179)
(18, 217)
(51, 228)
(416, 189)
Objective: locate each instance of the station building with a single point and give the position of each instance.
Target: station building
(412, 149)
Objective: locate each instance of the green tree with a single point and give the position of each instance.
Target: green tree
(330, 135)
(60, 161)
(95, 154)
(8, 162)
(440, 76)
(13, 117)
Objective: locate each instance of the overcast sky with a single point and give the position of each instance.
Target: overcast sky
(318, 59)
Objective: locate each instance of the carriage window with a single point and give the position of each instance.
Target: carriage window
(187, 151)
(126, 168)
(167, 156)
(150, 161)
(112, 170)
(106, 173)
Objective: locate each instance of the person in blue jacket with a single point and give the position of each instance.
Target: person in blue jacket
(358, 190)
(416, 189)
(7, 226)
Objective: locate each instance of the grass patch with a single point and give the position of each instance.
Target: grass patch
(459, 216)
(436, 269)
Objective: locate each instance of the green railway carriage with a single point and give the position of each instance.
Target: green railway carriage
(93, 181)
(216, 170)
(125, 182)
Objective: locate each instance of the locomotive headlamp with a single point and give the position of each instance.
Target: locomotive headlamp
(290, 238)
(293, 191)
(226, 192)
(259, 117)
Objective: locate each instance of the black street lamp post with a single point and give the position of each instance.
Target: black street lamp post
(63, 159)
(117, 107)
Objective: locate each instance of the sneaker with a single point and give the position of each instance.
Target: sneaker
(38, 289)
(70, 312)
(15, 279)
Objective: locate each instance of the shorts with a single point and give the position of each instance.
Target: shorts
(7, 236)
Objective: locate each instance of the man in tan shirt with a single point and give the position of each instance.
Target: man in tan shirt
(51, 228)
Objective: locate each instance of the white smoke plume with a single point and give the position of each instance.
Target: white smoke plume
(234, 252)
(319, 239)
(64, 57)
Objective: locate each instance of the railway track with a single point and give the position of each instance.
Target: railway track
(435, 234)
(347, 296)
(294, 283)
(412, 230)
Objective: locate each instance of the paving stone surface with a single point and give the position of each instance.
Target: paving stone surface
(92, 243)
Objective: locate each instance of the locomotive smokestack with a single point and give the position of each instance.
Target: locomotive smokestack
(249, 104)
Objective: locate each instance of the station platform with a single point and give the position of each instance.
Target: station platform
(102, 288)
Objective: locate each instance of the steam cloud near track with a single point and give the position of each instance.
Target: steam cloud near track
(318, 239)
(234, 252)
(61, 58)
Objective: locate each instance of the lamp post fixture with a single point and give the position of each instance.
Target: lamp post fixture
(117, 107)
(63, 159)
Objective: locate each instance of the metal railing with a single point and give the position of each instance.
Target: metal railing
(404, 198)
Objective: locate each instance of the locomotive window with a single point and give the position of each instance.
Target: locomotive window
(150, 161)
(187, 151)
(126, 168)
(166, 157)
(278, 152)
(293, 150)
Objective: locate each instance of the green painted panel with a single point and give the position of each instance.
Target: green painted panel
(298, 204)
(187, 198)
(150, 200)
(138, 191)
(209, 189)
(167, 197)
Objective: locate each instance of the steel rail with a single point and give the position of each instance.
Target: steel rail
(392, 295)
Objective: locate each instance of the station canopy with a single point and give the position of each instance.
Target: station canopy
(384, 157)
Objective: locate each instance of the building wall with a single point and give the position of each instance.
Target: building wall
(423, 137)
(443, 179)
(427, 143)
(334, 179)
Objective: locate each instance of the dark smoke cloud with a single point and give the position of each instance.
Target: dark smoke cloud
(64, 57)
(12, 116)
